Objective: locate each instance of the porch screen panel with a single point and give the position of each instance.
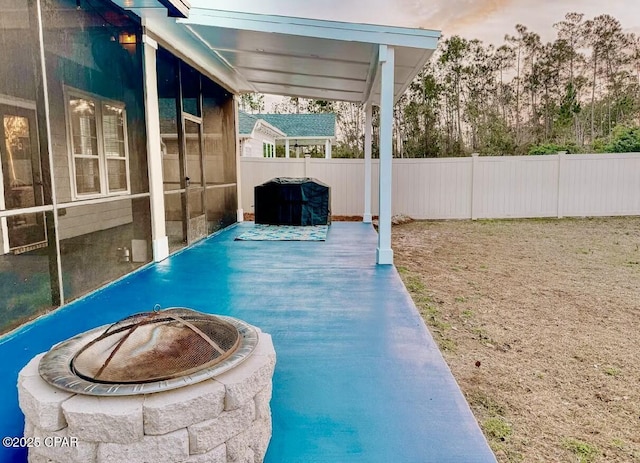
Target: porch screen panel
(222, 204)
(25, 279)
(219, 156)
(190, 79)
(98, 141)
(194, 168)
(102, 242)
(172, 169)
(219, 134)
(27, 253)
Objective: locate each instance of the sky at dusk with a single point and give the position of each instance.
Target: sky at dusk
(488, 20)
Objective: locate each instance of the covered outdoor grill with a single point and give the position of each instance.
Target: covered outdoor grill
(170, 385)
(292, 201)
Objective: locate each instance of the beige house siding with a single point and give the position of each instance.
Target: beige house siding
(81, 220)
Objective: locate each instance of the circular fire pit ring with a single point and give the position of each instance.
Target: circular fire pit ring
(149, 352)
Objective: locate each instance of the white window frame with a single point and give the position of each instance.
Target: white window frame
(268, 149)
(99, 102)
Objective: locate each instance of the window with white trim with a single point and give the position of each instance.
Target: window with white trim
(268, 150)
(99, 153)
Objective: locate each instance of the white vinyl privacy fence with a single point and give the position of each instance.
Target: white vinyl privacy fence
(476, 187)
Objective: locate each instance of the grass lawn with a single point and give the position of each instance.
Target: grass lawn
(539, 321)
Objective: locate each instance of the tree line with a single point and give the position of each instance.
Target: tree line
(578, 93)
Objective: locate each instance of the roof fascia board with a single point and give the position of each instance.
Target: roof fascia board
(203, 61)
(262, 123)
(222, 61)
(175, 8)
(308, 137)
(331, 30)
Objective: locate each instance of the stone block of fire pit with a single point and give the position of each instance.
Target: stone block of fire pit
(223, 419)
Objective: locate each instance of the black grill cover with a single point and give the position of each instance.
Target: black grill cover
(292, 201)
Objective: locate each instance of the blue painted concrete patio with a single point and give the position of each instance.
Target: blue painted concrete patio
(358, 377)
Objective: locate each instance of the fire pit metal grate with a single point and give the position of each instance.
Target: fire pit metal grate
(149, 352)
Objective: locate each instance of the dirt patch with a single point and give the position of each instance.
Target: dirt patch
(539, 321)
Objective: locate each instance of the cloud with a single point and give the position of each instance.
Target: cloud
(454, 13)
(488, 20)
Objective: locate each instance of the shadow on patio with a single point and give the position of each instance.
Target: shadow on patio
(358, 377)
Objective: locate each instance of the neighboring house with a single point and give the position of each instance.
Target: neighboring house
(257, 136)
(261, 133)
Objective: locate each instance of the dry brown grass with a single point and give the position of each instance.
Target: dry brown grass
(550, 311)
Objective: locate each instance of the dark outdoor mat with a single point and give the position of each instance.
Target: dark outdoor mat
(261, 232)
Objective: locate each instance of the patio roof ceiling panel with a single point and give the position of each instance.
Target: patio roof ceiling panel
(287, 61)
(257, 61)
(308, 92)
(281, 55)
(319, 59)
(231, 40)
(303, 80)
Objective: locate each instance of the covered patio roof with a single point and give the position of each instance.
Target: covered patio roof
(309, 58)
(281, 55)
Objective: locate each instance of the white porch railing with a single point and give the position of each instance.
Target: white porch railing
(476, 187)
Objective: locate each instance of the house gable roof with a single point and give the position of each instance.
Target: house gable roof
(246, 123)
(292, 125)
(303, 125)
(249, 123)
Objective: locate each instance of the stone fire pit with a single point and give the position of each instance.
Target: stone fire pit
(222, 418)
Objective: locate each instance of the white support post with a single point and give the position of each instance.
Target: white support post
(327, 149)
(4, 229)
(236, 119)
(286, 148)
(475, 184)
(307, 165)
(160, 242)
(368, 118)
(561, 162)
(60, 299)
(384, 253)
